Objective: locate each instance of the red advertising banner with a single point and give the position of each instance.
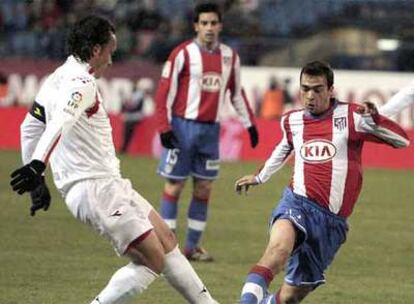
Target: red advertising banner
(234, 141)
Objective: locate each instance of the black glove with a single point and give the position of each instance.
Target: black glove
(28, 177)
(254, 136)
(40, 198)
(168, 140)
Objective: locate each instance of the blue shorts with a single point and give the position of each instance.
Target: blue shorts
(320, 234)
(198, 153)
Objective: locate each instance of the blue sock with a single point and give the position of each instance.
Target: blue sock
(197, 217)
(169, 209)
(256, 284)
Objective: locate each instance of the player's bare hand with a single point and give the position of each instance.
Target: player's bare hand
(243, 184)
(368, 107)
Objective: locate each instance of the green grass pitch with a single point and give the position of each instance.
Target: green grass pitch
(53, 259)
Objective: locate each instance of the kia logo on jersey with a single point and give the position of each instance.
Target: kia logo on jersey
(211, 82)
(317, 151)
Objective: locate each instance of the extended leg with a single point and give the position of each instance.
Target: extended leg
(279, 248)
(178, 271)
(148, 259)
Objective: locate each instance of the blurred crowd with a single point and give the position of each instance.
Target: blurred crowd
(149, 29)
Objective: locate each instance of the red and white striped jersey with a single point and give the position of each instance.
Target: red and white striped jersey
(194, 83)
(328, 150)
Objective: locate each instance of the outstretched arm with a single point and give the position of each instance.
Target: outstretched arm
(243, 184)
(273, 163)
(374, 127)
(399, 101)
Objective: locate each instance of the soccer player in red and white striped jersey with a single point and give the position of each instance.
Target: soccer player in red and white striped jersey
(309, 224)
(191, 93)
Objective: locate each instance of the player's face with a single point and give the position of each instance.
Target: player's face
(315, 94)
(208, 28)
(102, 56)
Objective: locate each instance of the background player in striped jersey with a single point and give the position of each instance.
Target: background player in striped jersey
(309, 224)
(191, 93)
(69, 123)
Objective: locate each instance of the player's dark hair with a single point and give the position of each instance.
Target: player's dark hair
(319, 68)
(207, 7)
(88, 32)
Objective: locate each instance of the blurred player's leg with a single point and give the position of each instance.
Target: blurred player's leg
(169, 202)
(169, 210)
(197, 219)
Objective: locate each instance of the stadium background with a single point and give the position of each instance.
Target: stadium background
(370, 44)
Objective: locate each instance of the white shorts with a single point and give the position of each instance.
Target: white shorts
(112, 208)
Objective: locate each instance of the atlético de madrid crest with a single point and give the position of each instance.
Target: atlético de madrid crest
(227, 60)
(340, 123)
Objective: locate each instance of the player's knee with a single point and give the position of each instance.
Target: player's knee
(159, 264)
(150, 254)
(168, 240)
(156, 262)
(202, 189)
(174, 187)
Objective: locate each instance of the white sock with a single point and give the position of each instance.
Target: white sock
(125, 283)
(181, 275)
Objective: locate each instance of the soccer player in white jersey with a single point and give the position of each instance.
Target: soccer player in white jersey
(190, 96)
(69, 127)
(398, 102)
(309, 224)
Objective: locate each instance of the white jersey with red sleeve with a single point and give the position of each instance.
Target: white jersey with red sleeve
(69, 126)
(328, 150)
(194, 83)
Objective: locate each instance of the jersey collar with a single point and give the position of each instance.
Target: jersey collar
(334, 103)
(215, 49)
(83, 65)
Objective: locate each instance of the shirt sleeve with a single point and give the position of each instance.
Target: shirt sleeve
(238, 96)
(277, 158)
(377, 128)
(167, 89)
(399, 101)
(31, 130)
(78, 98)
